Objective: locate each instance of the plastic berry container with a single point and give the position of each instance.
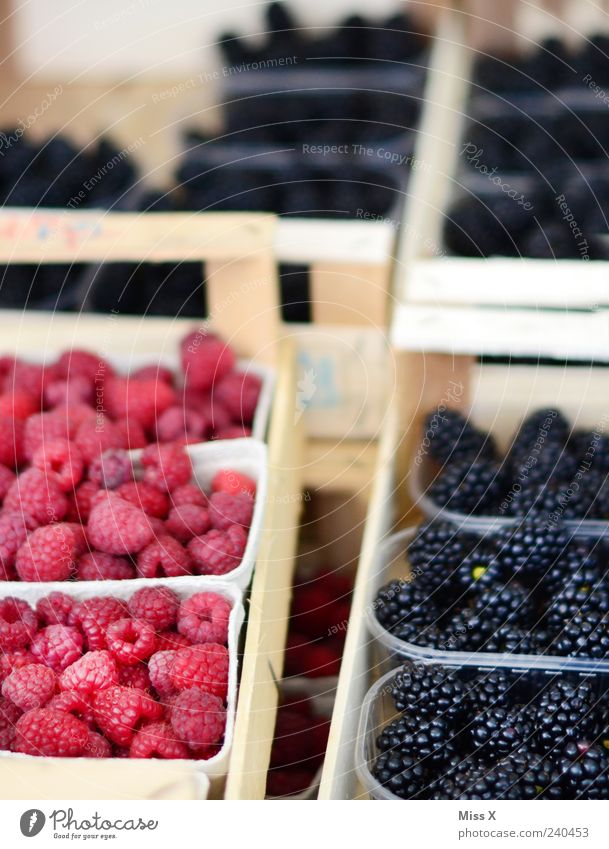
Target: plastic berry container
(378, 708)
(390, 563)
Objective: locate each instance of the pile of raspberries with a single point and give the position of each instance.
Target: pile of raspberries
(103, 677)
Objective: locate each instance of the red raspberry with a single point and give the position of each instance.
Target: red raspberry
(18, 405)
(120, 711)
(18, 624)
(205, 360)
(234, 483)
(232, 432)
(239, 393)
(157, 740)
(13, 533)
(12, 660)
(27, 376)
(203, 618)
(134, 676)
(94, 615)
(117, 527)
(54, 609)
(188, 493)
(188, 521)
(131, 640)
(81, 502)
(6, 479)
(94, 671)
(48, 554)
(226, 510)
(165, 556)
(181, 424)
(30, 687)
(153, 372)
(159, 670)
(97, 566)
(132, 434)
(80, 363)
(41, 429)
(146, 497)
(97, 435)
(9, 714)
(63, 458)
(202, 666)
(77, 390)
(72, 415)
(156, 605)
(170, 641)
(78, 704)
(140, 400)
(218, 552)
(198, 718)
(81, 544)
(166, 466)
(37, 494)
(11, 442)
(112, 469)
(57, 646)
(97, 747)
(216, 413)
(51, 733)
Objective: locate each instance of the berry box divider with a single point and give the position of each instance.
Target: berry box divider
(216, 767)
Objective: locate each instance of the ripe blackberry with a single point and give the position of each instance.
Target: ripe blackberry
(477, 570)
(498, 731)
(564, 712)
(480, 781)
(537, 775)
(515, 640)
(490, 690)
(402, 775)
(429, 636)
(505, 604)
(584, 771)
(586, 635)
(539, 430)
(429, 691)
(529, 551)
(575, 599)
(472, 488)
(452, 437)
(443, 785)
(591, 448)
(428, 741)
(578, 567)
(436, 551)
(400, 603)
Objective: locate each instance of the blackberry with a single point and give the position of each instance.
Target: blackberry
(402, 775)
(498, 731)
(499, 781)
(586, 635)
(429, 636)
(591, 448)
(466, 632)
(477, 570)
(529, 551)
(583, 771)
(490, 690)
(429, 691)
(428, 741)
(443, 785)
(401, 602)
(514, 640)
(538, 776)
(577, 567)
(505, 604)
(564, 712)
(452, 437)
(577, 598)
(472, 488)
(540, 429)
(435, 552)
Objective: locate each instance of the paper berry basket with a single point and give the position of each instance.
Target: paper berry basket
(216, 767)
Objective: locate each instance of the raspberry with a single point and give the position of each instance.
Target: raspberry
(198, 718)
(37, 494)
(80, 363)
(170, 641)
(11, 442)
(159, 669)
(13, 533)
(81, 544)
(139, 400)
(97, 746)
(57, 646)
(78, 704)
(26, 376)
(9, 714)
(111, 470)
(131, 640)
(227, 480)
(97, 435)
(232, 432)
(48, 554)
(205, 360)
(218, 552)
(54, 609)
(117, 527)
(181, 424)
(18, 624)
(6, 479)
(77, 390)
(157, 740)
(146, 497)
(120, 711)
(30, 686)
(158, 606)
(164, 556)
(41, 429)
(188, 521)
(216, 413)
(18, 405)
(156, 373)
(63, 458)
(188, 493)
(226, 510)
(202, 666)
(51, 733)
(71, 416)
(134, 676)
(239, 393)
(82, 499)
(12, 660)
(94, 671)
(132, 434)
(94, 615)
(203, 618)
(97, 566)
(166, 466)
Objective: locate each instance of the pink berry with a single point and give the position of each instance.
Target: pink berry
(205, 360)
(188, 521)
(233, 483)
(147, 498)
(218, 552)
(117, 527)
(55, 608)
(18, 624)
(51, 733)
(94, 671)
(57, 646)
(112, 469)
(157, 740)
(131, 640)
(202, 666)
(156, 605)
(159, 669)
(164, 557)
(48, 554)
(121, 711)
(239, 393)
(188, 493)
(166, 466)
(204, 618)
(226, 510)
(30, 686)
(198, 718)
(97, 566)
(39, 495)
